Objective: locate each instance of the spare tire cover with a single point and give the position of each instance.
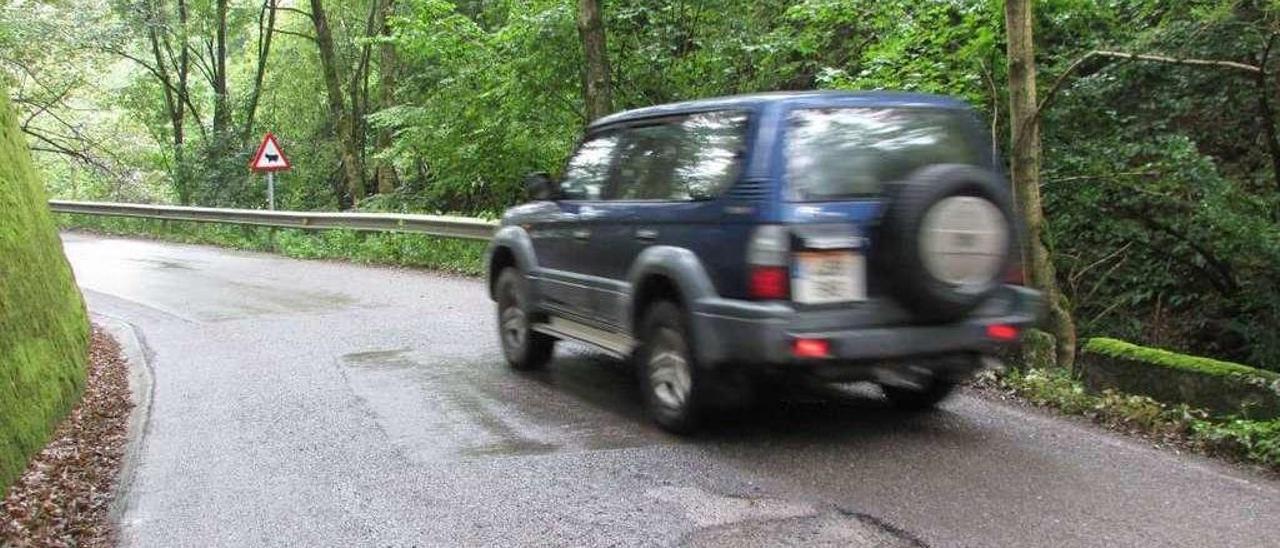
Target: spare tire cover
(946, 240)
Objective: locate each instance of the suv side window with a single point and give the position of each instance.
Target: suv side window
(712, 149)
(588, 170)
(689, 158)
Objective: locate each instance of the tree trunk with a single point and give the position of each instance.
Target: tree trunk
(1266, 112)
(596, 88)
(1025, 172)
(174, 94)
(352, 171)
(221, 114)
(184, 96)
(265, 31)
(388, 66)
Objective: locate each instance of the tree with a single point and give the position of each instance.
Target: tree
(1025, 171)
(596, 86)
(353, 172)
(388, 70)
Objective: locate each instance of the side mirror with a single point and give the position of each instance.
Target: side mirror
(539, 186)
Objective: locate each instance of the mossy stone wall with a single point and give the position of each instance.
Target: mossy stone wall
(1223, 388)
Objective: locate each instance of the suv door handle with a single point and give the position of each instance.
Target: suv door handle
(582, 234)
(646, 234)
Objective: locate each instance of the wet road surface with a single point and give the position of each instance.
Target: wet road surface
(318, 403)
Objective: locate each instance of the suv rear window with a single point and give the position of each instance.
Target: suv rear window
(835, 153)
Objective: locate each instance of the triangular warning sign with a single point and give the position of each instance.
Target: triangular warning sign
(270, 157)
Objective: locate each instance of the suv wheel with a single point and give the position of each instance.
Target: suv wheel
(918, 399)
(524, 348)
(669, 377)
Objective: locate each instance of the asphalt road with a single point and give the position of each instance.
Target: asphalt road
(317, 403)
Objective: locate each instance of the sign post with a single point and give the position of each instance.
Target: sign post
(269, 159)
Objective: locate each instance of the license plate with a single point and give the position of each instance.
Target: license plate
(828, 277)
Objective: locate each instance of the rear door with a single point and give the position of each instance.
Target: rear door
(840, 160)
(665, 188)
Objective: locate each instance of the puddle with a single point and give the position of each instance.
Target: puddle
(190, 288)
(447, 408)
(379, 359)
(164, 264)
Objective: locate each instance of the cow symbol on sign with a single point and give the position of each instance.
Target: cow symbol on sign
(270, 157)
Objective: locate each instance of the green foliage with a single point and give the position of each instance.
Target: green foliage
(43, 327)
(1196, 364)
(1255, 441)
(464, 257)
(487, 107)
(1159, 187)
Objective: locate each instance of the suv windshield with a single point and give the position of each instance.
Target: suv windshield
(837, 153)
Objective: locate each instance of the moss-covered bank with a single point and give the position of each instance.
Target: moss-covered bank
(44, 331)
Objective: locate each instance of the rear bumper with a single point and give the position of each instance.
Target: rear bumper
(732, 333)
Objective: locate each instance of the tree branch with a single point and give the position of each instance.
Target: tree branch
(1177, 60)
(1071, 69)
(58, 148)
(294, 10)
(298, 34)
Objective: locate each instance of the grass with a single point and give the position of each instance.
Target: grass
(44, 330)
(1123, 350)
(1251, 441)
(400, 249)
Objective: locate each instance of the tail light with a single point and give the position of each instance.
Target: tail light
(1002, 332)
(768, 256)
(811, 348)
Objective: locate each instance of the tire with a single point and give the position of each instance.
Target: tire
(523, 348)
(904, 259)
(673, 387)
(918, 399)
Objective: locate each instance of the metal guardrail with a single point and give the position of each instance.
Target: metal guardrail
(435, 225)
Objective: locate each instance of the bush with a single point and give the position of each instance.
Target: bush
(1257, 441)
(44, 331)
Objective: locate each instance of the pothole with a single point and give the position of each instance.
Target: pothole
(732, 521)
(827, 529)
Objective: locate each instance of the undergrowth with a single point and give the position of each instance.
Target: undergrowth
(1252, 441)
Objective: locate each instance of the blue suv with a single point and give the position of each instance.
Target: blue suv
(725, 243)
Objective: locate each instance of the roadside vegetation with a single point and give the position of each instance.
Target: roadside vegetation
(44, 331)
(1238, 435)
(1178, 425)
(458, 256)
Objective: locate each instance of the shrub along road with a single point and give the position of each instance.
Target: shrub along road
(326, 403)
